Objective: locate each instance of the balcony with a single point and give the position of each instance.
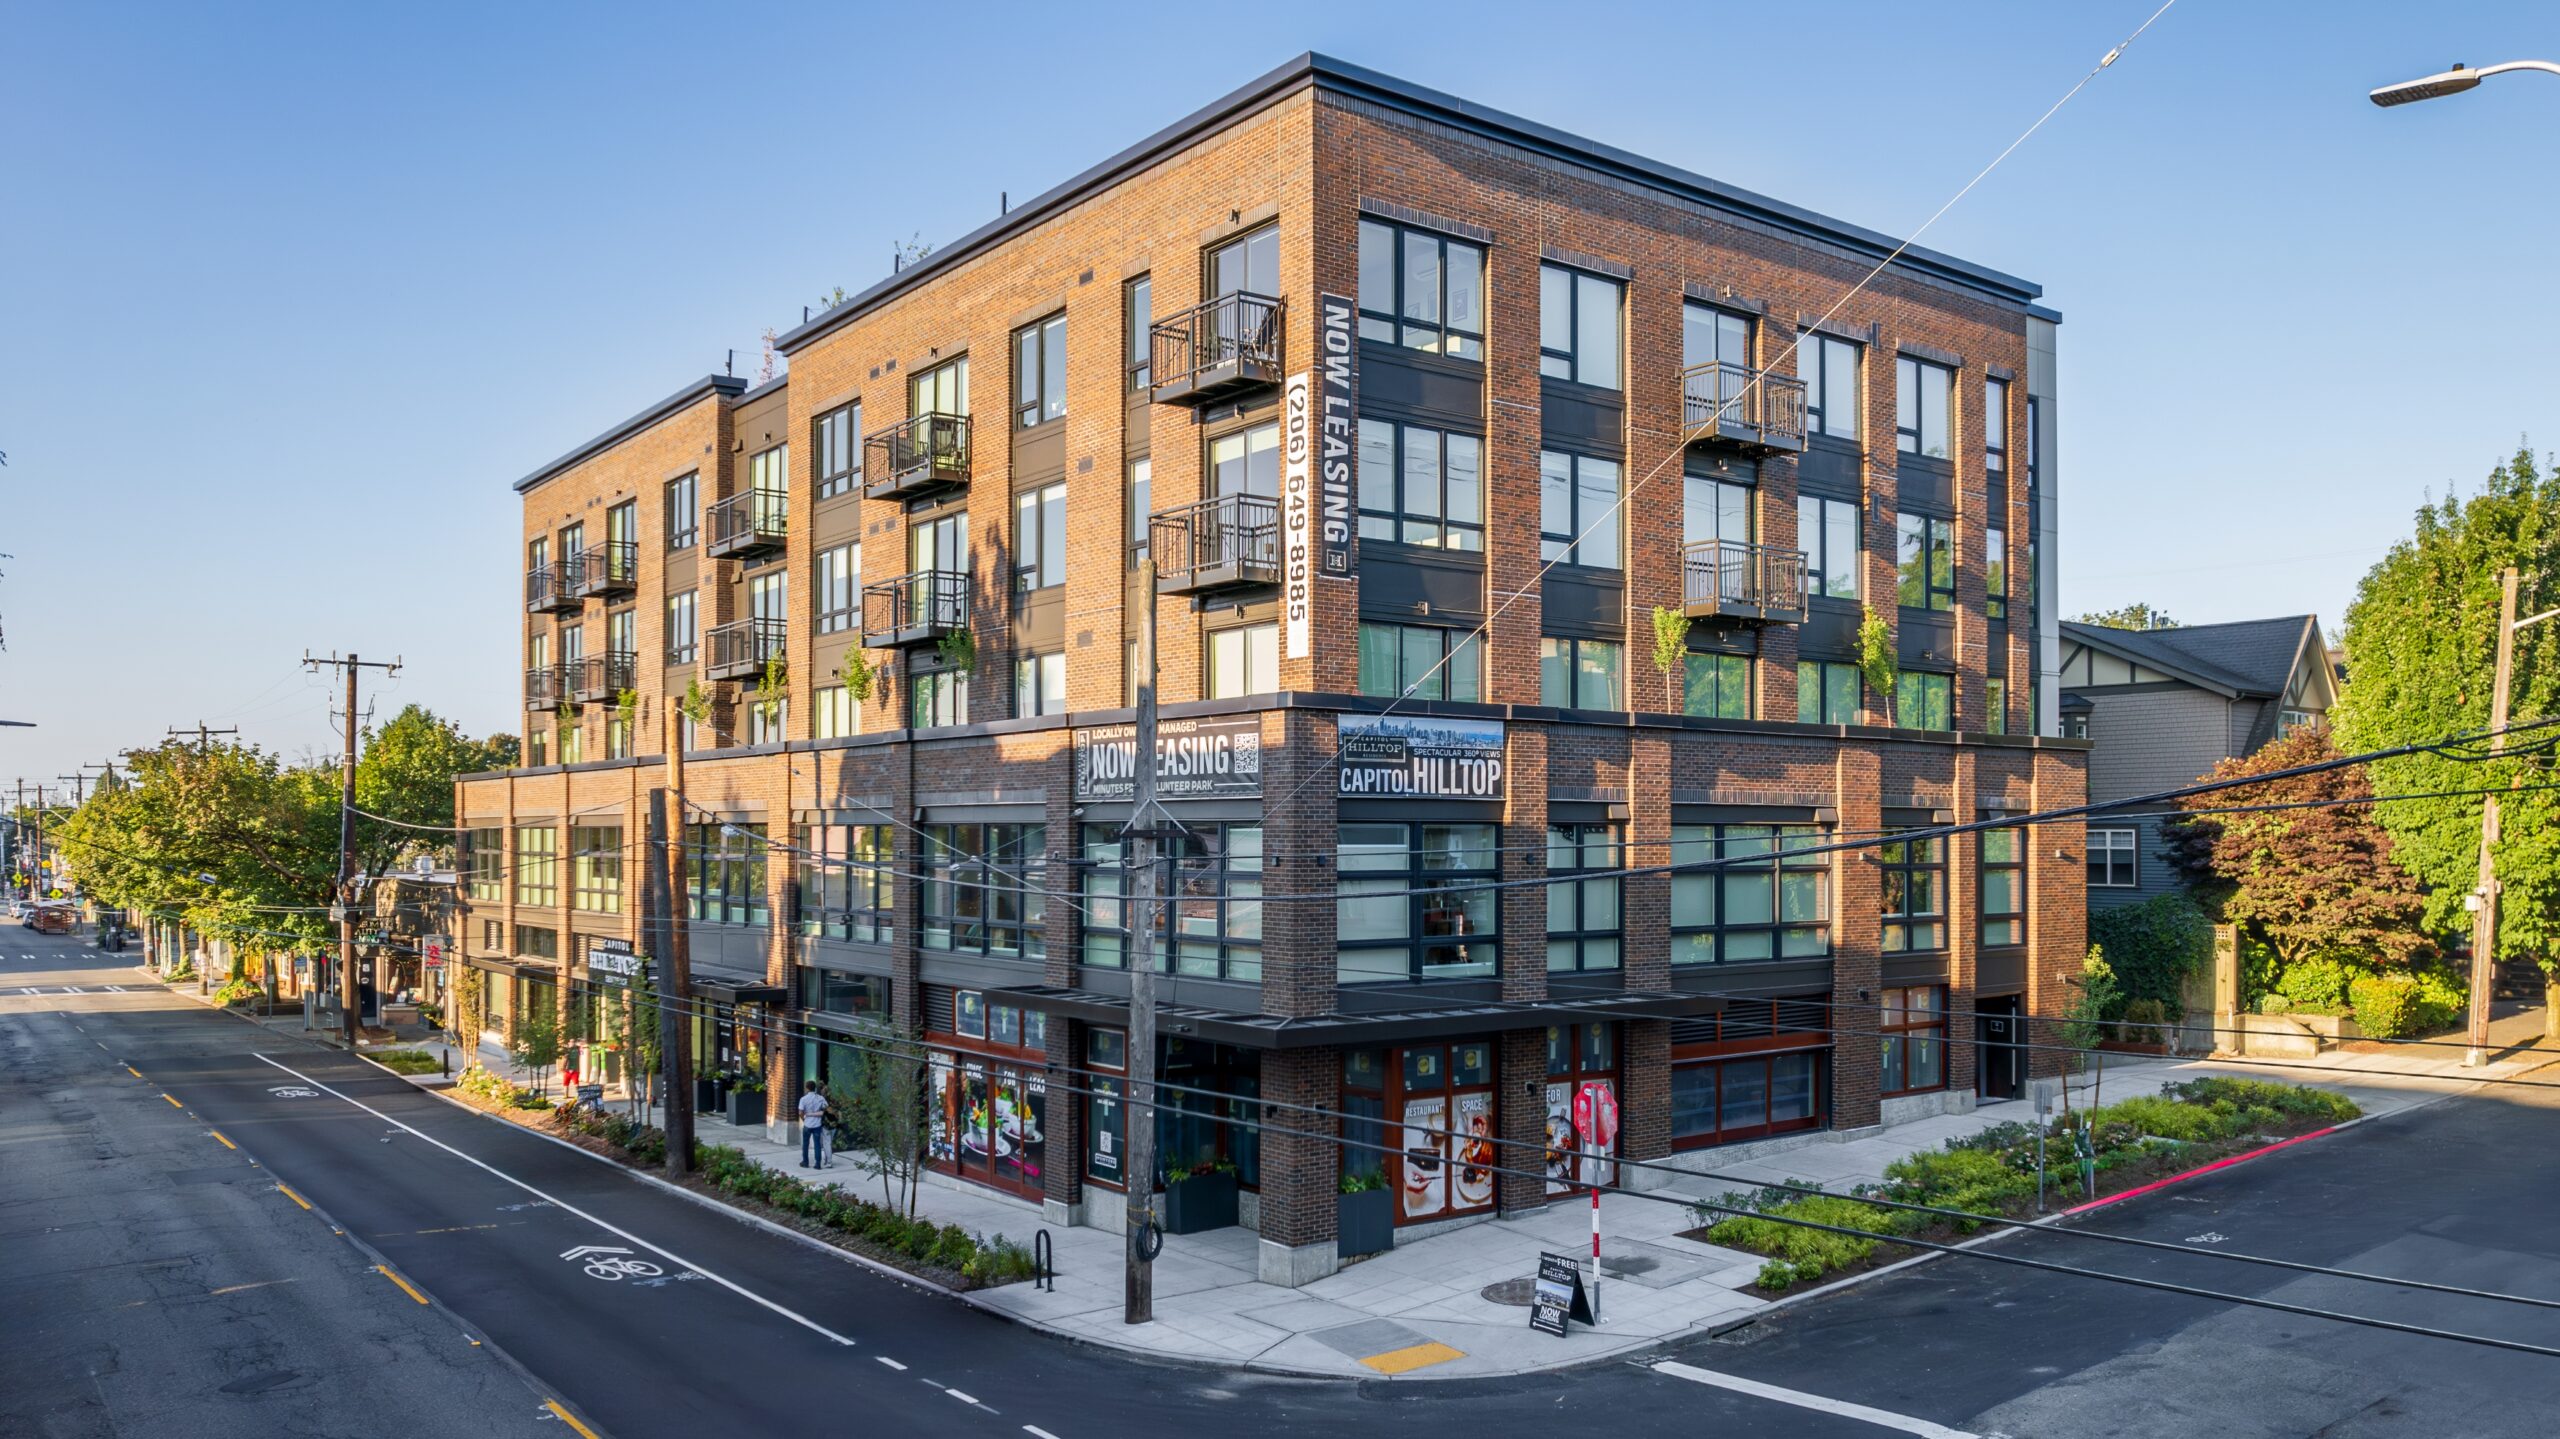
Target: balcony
(602, 677)
(1752, 410)
(914, 609)
(1214, 350)
(608, 570)
(1726, 580)
(545, 687)
(917, 457)
(747, 526)
(738, 650)
(547, 591)
(1226, 543)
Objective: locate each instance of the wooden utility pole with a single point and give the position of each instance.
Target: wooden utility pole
(1148, 823)
(204, 734)
(349, 1017)
(2484, 915)
(675, 963)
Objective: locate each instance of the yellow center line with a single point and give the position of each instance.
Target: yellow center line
(227, 1144)
(287, 1191)
(567, 1418)
(173, 1104)
(385, 1271)
(136, 1073)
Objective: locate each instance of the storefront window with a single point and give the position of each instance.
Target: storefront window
(1722, 1101)
(1914, 1025)
(988, 1110)
(1364, 1112)
(1444, 1154)
(724, 868)
(1582, 913)
(1106, 1132)
(847, 881)
(984, 888)
(1774, 903)
(1213, 917)
(1413, 902)
(829, 991)
(1582, 1105)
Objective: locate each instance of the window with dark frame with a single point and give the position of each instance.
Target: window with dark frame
(595, 868)
(1827, 531)
(1582, 898)
(1995, 573)
(936, 698)
(838, 447)
(484, 861)
(1245, 265)
(836, 583)
(1141, 485)
(942, 390)
(1040, 538)
(2115, 860)
(1137, 310)
(1747, 1096)
(1763, 898)
(1829, 368)
(1420, 662)
(1995, 705)
(1923, 394)
(1579, 332)
(1412, 902)
(1421, 290)
(1244, 660)
(1421, 486)
(1912, 1039)
(537, 866)
(848, 884)
(1715, 686)
(2004, 887)
(1212, 919)
(1578, 510)
(984, 889)
(682, 635)
(724, 874)
(1925, 562)
(1924, 701)
(1995, 425)
(1915, 893)
(1582, 674)
(1828, 692)
(1040, 372)
(1040, 684)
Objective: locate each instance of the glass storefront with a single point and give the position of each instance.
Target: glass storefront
(1582, 1106)
(1431, 1109)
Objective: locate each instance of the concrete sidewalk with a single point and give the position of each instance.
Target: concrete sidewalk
(1420, 1308)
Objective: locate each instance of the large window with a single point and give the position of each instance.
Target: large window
(1827, 692)
(768, 721)
(936, 698)
(1915, 894)
(1578, 337)
(1578, 509)
(769, 595)
(484, 863)
(1422, 661)
(1914, 1025)
(2004, 888)
(837, 581)
(984, 888)
(1726, 1100)
(1713, 509)
(1137, 305)
(1995, 574)
(1247, 265)
(684, 511)
(1212, 919)
(1040, 372)
(1244, 660)
(1421, 291)
(1921, 394)
(573, 743)
(1925, 562)
(833, 714)
(1413, 902)
(1421, 486)
(1830, 370)
(1710, 336)
(838, 446)
(1040, 538)
(1040, 684)
(595, 868)
(1995, 425)
(769, 471)
(1576, 674)
(537, 865)
(1716, 686)
(1924, 701)
(2114, 858)
(848, 882)
(1766, 899)
(1582, 897)
(1828, 532)
(1247, 463)
(942, 390)
(683, 632)
(724, 874)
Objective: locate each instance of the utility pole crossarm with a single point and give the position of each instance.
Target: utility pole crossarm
(349, 1002)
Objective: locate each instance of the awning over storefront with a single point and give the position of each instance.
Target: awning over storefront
(1264, 1031)
(737, 989)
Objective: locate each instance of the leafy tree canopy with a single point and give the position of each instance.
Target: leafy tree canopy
(2135, 616)
(2421, 641)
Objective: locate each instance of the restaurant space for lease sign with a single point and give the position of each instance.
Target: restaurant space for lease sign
(1389, 756)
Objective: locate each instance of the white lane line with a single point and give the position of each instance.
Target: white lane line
(1036, 1429)
(741, 1291)
(115, 989)
(956, 1394)
(892, 1363)
(73, 989)
(1881, 1418)
(30, 991)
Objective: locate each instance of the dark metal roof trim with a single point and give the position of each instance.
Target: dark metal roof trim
(728, 386)
(1264, 1031)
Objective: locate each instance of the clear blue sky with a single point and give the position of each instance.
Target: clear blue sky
(294, 292)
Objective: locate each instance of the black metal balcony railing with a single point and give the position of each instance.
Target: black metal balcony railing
(917, 456)
(603, 677)
(546, 589)
(612, 568)
(545, 686)
(1738, 405)
(746, 524)
(1222, 543)
(1725, 579)
(915, 608)
(1217, 348)
(738, 650)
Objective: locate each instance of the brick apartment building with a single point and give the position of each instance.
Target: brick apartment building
(1405, 397)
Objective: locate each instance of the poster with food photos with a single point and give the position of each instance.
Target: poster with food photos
(1565, 1171)
(1471, 1169)
(1424, 1152)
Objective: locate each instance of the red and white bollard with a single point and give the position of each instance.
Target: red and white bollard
(1595, 1254)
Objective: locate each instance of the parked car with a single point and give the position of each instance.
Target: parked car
(52, 919)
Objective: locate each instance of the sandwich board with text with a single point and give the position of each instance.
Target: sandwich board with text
(1558, 1296)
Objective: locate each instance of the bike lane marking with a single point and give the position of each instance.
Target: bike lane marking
(616, 1231)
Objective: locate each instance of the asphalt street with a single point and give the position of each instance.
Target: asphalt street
(154, 1279)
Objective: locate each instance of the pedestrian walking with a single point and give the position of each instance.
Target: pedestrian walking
(813, 1126)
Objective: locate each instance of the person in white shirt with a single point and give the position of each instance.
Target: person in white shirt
(813, 1126)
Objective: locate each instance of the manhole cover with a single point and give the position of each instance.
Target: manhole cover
(1511, 1291)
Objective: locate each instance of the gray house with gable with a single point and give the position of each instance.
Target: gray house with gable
(2165, 706)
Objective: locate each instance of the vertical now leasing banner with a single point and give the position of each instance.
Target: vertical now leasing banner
(1297, 518)
(1338, 416)
(1319, 429)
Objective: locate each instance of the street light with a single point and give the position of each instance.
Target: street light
(2452, 82)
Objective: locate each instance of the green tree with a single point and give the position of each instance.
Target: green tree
(884, 1108)
(2421, 641)
(1878, 663)
(1671, 653)
(2136, 616)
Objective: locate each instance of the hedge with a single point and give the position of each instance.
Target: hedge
(2154, 946)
